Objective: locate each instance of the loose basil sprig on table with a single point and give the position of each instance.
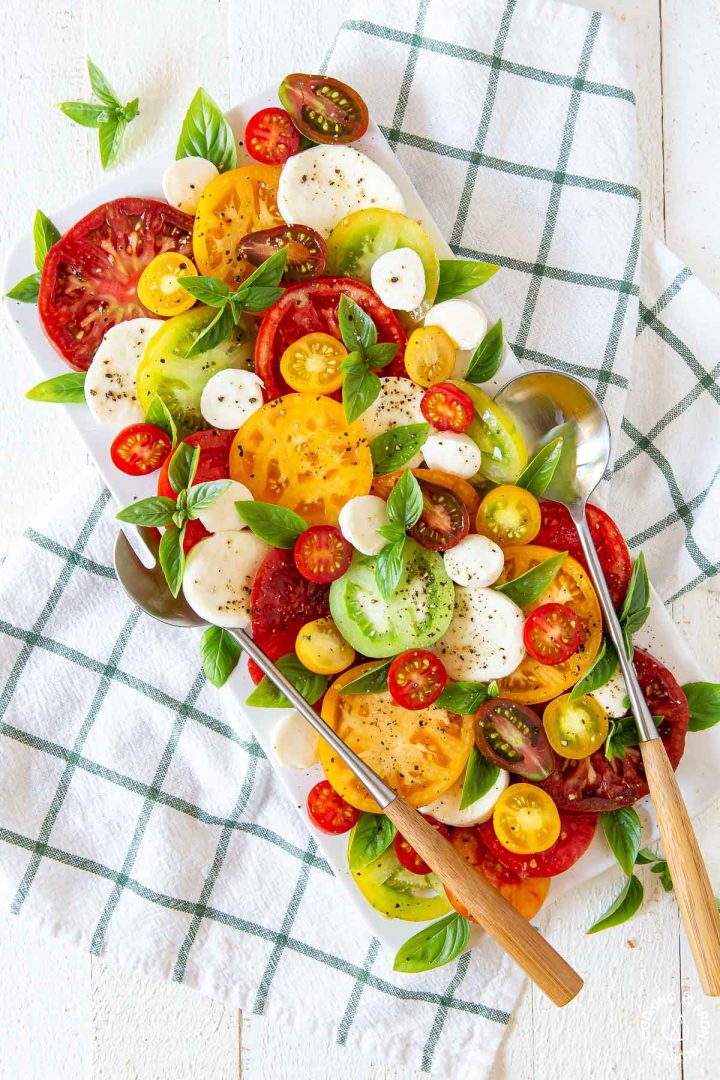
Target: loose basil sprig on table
(361, 386)
(45, 234)
(459, 276)
(404, 507)
(205, 133)
(110, 117)
(68, 389)
(703, 700)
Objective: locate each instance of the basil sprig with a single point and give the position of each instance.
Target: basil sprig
(636, 607)
(404, 507)
(434, 946)
(533, 583)
(394, 448)
(458, 276)
(372, 835)
(374, 681)
(110, 117)
(312, 686)
(219, 653)
(704, 703)
(599, 673)
(206, 133)
(657, 865)
(45, 234)
(361, 385)
(480, 775)
(487, 359)
(538, 473)
(68, 389)
(274, 524)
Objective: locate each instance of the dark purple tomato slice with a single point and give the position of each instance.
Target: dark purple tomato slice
(512, 736)
(325, 110)
(444, 520)
(307, 255)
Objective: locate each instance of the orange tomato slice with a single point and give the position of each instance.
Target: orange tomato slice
(527, 895)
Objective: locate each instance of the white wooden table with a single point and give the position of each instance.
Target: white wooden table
(67, 1016)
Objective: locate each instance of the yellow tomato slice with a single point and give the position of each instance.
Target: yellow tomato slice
(298, 451)
(321, 647)
(236, 203)
(532, 681)
(575, 729)
(429, 356)
(312, 364)
(419, 753)
(159, 287)
(509, 515)
(526, 819)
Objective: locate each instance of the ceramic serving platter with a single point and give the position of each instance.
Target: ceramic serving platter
(701, 764)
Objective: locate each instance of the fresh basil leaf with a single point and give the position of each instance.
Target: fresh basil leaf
(206, 133)
(493, 689)
(359, 389)
(458, 276)
(665, 878)
(463, 697)
(131, 110)
(208, 290)
(704, 704)
(392, 532)
(216, 331)
(110, 137)
(372, 835)
(172, 557)
(219, 652)
(405, 503)
(374, 681)
(159, 415)
(26, 291)
(394, 448)
(487, 359)
(622, 733)
(86, 113)
(182, 468)
(389, 568)
(599, 673)
(623, 830)
(434, 946)
(152, 512)
(636, 607)
(267, 696)
(480, 775)
(202, 496)
(259, 298)
(644, 856)
(68, 389)
(269, 273)
(273, 524)
(45, 235)
(623, 908)
(538, 473)
(382, 354)
(357, 329)
(100, 86)
(533, 583)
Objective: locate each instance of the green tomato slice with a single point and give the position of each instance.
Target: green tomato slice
(396, 892)
(503, 449)
(165, 369)
(363, 236)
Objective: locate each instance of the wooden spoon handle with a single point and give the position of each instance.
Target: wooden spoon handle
(488, 908)
(687, 869)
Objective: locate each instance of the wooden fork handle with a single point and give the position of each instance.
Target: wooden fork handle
(488, 908)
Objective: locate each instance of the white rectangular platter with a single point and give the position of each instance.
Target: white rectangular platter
(700, 766)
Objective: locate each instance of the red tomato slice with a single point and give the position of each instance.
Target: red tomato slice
(213, 464)
(594, 784)
(447, 407)
(322, 554)
(557, 531)
(525, 895)
(311, 307)
(576, 833)
(307, 255)
(329, 811)
(271, 137)
(89, 280)
(416, 678)
(552, 633)
(140, 449)
(408, 857)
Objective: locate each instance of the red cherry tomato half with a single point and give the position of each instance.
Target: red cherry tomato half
(416, 678)
(447, 407)
(307, 255)
(552, 633)
(557, 531)
(329, 811)
(140, 449)
(271, 137)
(444, 520)
(322, 554)
(325, 110)
(408, 857)
(213, 464)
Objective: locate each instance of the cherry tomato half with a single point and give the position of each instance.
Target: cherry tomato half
(140, 449)
(509, 515)
(552, 633)
(324, 109)
(311, 365)
(160, 288)
(321, 647)
(408, 857)
(575, 729)
(416, 678)
(444, 520)
(447, 407)
(322, 554)
(271, 137)
(430, 355)
(512, 736)
(307, 255)
(329, 811)
(525, 819)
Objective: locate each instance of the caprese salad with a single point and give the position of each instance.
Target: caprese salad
(280, 341)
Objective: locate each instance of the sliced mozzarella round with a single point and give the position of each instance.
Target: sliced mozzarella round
(463, 321)
(398, 277)
(295, 743)
(359, 521)
(185, 180)
(485, 637)
(453, 453)
(230, 397)
(613, 696)
(110, 389)
(447, 807)
(221, 516)
(219, 576)
(475, 562)
(320, 186)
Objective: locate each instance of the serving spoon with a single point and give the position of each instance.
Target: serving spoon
(545, 404)
(148, 588)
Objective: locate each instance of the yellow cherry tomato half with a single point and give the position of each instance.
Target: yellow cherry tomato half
(575, 729)
(321, 647)
(429, 355)
(509, 515)
(159, 287)
(526, 819)
(312, 364)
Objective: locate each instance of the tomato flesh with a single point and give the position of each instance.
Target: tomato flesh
(271, 137)
(324, 109)
(312, 364)
(552, 633)
(512, 736)
(213, 464)
(322, 554)
(444, 520)
(526, 895)
(408, 857)
(328, 811)
(558, 531)
(447, 407)
(140, 449)
(416, 679)
(307, 255)
(576, 834)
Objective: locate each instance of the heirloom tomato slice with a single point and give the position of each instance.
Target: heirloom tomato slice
(465, 492)
(558, 531)
(328, 811)
(416, 679)
(575, 729)
(509, 515)
(324, 110)
(140, 449)
(322, 554)
(398, 893)
(447, 407)
(526, 895)
(525, 819)
(271, 137)
(306, 257)
(552, 633)
(406, 854)
(576, 833)
(444, 520)
(512, 736)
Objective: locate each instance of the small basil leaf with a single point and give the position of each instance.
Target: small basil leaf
(373, 834)
(26, 291)
(202, 496)
(131, 110)
(219, 652)
(458, 276)
(110, 137)
(66, 389)
(153, 512)
(382, 354)
(100, 86)
(312, 687)
(269, 273)
(259, 298)
(208, 290)
(644, 856)
(621, 909)
(273, 524)
(405, 503)
(374, 681)
(359, 389)
(45, 235)
(704, 703)
(488, 357)
(480, 775)
(392, 532)
(636, 606)
(389, 568)
(463, 697)
(622, 830)
(533, 583)
(434, 946)
(394, 448)
(172, 557)
(599, 673)
(538, 473)
(206, 133)
(357, 329)
(86, 113)
(183, 465)
(159, 415)
(216, 331)
(493, 690)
